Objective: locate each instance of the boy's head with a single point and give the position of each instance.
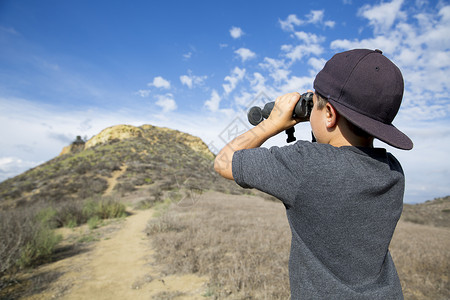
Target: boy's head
(321, 103)
(365, 88)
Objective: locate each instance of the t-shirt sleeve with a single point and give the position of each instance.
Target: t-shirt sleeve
(264, 169)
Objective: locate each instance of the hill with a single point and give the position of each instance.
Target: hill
(120, 159)
(432, 212)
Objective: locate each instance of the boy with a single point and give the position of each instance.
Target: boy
(343, 197)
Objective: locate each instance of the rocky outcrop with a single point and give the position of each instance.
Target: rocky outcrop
(151, 133)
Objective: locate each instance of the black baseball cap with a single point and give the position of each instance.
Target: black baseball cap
(366, 88)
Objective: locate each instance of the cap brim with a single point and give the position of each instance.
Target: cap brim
(387, 133)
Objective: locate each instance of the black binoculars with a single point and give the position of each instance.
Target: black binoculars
(302, 110)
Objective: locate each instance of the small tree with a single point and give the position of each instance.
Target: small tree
(78, 141)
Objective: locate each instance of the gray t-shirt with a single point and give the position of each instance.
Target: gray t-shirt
(343, 205)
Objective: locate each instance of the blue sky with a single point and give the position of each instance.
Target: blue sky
(72, 68)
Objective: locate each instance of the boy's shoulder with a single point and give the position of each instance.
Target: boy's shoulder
(318, 149)
(307, 154)
(304, 152)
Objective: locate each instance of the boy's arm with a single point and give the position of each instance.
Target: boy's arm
(280, 119)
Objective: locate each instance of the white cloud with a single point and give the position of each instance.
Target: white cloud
(278, 68)
(296, 53)
(236, 32)
(143, 93)
(382, 16)
(160, 82)
(309, 38)
(310, 45)
(279, 75)
(11, 166)
(388, 44)
(236, 75)
(245, 54)
(288, 24)
(186, 80)
(192, 80)
(258, 82)
(272, 63)
(315, 17)
(244, 99)
(317, 64)
(187, 55)
(297, 84)
(166, 102)
(213, 103)
(330, 24)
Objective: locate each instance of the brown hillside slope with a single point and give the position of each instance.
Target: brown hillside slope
(434, 212)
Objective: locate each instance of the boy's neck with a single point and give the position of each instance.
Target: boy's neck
(356, 143)
(342, 136)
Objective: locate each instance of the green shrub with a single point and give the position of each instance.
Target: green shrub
(71, 223)
(27, 237)
(110, 209)
(15, 231)
(104, 208)
(125, 187)
(94, 222)
(89, 208)
(48, 216)
(71, 214)
(41, 246)
(26, 234)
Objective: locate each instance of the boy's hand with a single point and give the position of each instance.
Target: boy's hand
(281, 116)
(279, 119)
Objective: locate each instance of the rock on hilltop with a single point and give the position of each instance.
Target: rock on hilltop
(148, 132)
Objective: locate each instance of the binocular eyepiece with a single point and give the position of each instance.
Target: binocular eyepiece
(302, 110)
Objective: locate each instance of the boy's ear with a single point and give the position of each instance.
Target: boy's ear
(331, 116)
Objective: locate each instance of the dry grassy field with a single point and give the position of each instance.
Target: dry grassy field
(242, 244)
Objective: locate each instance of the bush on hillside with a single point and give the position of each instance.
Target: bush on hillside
(104, 208)
(27, 236)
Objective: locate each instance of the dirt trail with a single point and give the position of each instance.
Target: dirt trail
(113, 180)
(120, 267)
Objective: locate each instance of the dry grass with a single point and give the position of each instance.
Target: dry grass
(421, 254)
(242, 244)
